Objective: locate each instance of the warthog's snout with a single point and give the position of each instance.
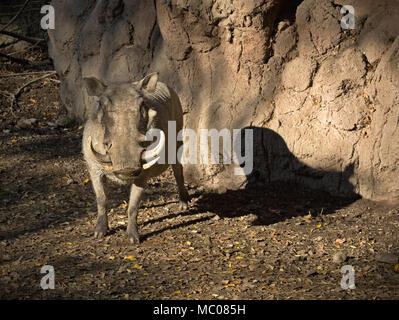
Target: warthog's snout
(128, 173)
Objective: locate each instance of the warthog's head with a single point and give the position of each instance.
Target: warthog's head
(119, 123)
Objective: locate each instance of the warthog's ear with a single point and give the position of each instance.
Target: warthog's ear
(94, 86)
(149, 82)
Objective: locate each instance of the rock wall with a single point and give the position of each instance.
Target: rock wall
(322, 101)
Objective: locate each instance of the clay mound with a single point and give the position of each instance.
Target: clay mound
(322, 100)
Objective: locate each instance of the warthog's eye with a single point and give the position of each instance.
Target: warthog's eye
(142, 126)
(99, 108)
(100, 112)
(104, 104)
(96, 111)
(143, 110)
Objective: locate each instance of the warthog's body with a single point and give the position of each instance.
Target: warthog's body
(114, 141)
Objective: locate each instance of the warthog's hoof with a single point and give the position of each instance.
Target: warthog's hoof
(133, 239)
(183, 205)
(99, 235)
(133, 236)
(101, 227)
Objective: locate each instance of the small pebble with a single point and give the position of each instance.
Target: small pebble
(339, 257)
(26, 123)
(208, 241)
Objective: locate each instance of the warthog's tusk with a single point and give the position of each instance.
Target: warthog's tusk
(100, 157)
(150, 163)
(152, 155)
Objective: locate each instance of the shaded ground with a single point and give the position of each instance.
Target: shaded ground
(278, 242)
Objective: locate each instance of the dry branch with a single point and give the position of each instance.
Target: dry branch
(22, 37)
(19, 90)
(26, 73)
(26, 62)
(16, 16)
(13, 59)
(5, 45)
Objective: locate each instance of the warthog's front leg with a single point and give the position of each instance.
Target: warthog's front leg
(102, 219)
(134, 201)
(184, 196)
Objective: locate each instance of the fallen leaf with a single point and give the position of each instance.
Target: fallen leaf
(124, 204)
(131, 258)
(308, 216)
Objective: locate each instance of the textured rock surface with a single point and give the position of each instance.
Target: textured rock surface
(323, 101)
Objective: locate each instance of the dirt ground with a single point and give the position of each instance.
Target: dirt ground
(275, 242)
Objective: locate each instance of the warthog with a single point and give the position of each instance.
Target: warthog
(115, 146)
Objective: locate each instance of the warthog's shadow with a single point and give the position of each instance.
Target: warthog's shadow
(280, 186)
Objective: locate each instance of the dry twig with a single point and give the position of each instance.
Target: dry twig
(14, 95)
(26, 73)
